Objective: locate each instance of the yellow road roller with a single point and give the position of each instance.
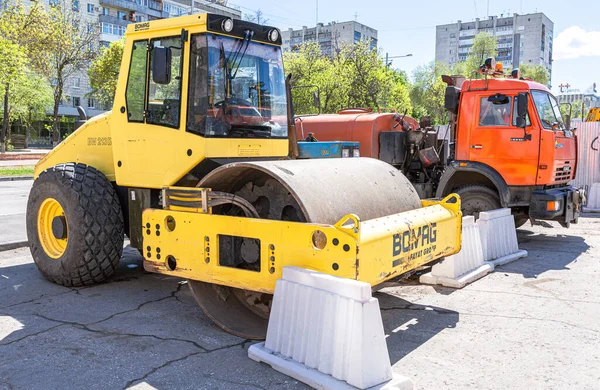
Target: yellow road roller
(196, 165)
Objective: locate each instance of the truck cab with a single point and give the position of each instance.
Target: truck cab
(508, 153)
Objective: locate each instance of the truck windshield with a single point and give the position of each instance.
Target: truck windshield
(548, 110)
(244, 92)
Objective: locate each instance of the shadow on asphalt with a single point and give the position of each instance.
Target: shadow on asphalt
(545, 253)
(408, 325)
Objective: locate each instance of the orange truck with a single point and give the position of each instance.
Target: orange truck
(507, 145)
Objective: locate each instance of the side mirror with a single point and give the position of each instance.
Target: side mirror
(161, 65)
(522, 104)
(316, 100)
(568, 121)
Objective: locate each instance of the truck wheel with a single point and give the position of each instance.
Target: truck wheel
(475, 198)
(520, 221)
(74, 225)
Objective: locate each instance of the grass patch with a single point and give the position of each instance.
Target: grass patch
(20, 170)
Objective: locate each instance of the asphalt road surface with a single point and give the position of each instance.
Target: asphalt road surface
(532, 324)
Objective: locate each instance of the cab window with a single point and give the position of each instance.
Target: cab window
(136, 82)
(495, 110)
(164, 100)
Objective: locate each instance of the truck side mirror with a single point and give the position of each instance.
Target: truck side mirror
(161, 65)
(568, 121)
(522, 103)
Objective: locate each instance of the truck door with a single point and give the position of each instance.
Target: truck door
(496, 141)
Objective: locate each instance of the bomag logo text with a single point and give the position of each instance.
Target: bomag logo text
(142, 26)
(414, 239)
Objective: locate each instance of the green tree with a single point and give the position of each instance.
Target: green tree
(30, 100)
(354, 77)
(427, 92)
(535, 72)
(24, 48)
(309, 68)
(14, 61)
(74, 47)
(104, 73)
(574, 109)
(484, 46)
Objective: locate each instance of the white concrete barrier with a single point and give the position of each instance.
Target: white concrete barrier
(327, 332)
(466, 266)
(593, 199)
(499, 237)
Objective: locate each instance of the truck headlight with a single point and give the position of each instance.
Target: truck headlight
(345, 152)
(553, 205)
(356, 153)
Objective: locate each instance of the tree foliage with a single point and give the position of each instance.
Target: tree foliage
(24, 39)
(535, 72)
(104, 73)
(354, 77)
(427, 92)
(74, 47)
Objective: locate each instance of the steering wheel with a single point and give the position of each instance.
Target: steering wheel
(553, 126)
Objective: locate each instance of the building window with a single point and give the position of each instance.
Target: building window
(121, 15)
(76, 5)
(76, 101)
(357, 36)
(76, 82)
(90, 8)
(90, 103)
(105, 11)
(109, 28)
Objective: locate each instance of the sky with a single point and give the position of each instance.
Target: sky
(409, 27)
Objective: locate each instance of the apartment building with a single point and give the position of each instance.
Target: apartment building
(331, 36)
(111, 17)
(521, 39)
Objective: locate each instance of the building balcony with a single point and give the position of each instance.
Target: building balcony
(114, 20)
(154, 8)
(124, 4)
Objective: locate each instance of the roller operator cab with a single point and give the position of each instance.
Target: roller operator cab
(507, 146)
(197, 164)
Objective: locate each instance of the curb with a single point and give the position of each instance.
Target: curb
(13, 245)
(15, 178)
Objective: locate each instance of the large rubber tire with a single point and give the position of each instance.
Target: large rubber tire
(475, 198)
(95, 230)
(520, 221)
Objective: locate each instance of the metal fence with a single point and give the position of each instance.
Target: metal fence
(588, 164)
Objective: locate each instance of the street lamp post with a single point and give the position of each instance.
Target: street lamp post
(388, 58)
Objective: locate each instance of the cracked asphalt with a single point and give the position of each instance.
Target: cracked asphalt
(532, 324)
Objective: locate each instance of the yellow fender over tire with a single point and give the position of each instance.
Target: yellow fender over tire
(74, 225)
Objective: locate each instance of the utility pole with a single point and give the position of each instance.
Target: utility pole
(317, 21)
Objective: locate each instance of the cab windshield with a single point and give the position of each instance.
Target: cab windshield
(237, 89)
(548, 110)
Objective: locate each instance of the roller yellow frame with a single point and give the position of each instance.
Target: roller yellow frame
(186, 244)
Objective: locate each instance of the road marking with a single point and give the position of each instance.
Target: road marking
(404, 326)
